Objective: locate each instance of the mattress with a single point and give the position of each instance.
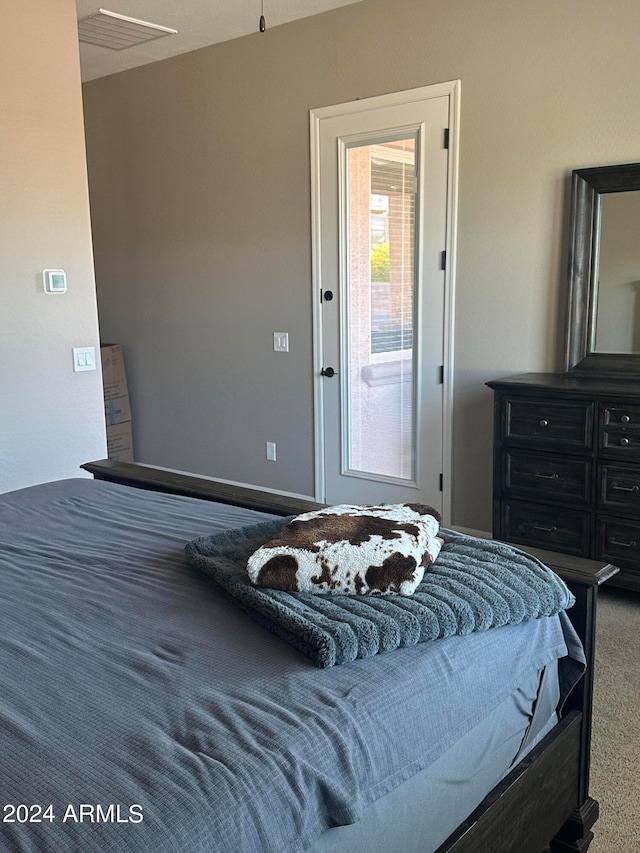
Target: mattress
(141, 712)
(419, 815)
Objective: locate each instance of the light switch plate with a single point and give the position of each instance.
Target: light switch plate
(84, 358)
(281, 341)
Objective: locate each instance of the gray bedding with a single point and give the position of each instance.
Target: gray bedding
(127, 681)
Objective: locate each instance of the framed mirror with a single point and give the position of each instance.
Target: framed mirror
(603, 318)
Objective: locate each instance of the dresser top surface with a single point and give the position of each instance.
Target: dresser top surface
(569, 383)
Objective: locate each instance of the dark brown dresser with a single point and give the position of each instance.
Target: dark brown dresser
(567, 467)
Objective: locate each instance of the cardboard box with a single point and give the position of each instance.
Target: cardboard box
(120, 442)
(117, 408)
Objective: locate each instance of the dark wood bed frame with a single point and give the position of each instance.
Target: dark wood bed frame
(544, 803)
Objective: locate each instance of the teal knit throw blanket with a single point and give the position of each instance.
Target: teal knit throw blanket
(475, 584)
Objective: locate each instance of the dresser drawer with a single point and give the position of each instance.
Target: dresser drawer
(620, 430)
(547, 476)
(618, 542)
(621, 442)
(621, 415)
(552, 528)
(619, 488)
(551, 423)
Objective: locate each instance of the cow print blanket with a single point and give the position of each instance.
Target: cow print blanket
(350, 549)
(475, 584)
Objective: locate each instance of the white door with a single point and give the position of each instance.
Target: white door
(383, 195)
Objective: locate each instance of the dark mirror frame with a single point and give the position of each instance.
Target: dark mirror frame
(587, 185)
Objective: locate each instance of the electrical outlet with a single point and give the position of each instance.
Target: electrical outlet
(271, 451)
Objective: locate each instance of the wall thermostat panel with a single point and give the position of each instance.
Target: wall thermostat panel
(55, 281)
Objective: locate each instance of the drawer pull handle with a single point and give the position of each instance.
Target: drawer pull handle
(624, 442)
(547, 528)
(631, 544)
(618, 488)
(543, 423)
(546, 476)
(625, 419)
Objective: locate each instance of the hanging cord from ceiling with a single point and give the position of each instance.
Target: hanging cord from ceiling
(263, 25)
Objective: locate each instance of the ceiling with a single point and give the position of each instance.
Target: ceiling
(199, 23)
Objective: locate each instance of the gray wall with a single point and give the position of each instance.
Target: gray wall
(52, 419)
(199, 184)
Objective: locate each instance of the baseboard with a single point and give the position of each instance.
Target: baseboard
(469, 531)
(234, 483)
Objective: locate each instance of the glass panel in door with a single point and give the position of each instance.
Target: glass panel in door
(379, 321)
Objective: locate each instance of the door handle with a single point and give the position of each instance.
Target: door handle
(329, 372)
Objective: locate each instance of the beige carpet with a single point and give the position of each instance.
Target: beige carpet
(615, 749)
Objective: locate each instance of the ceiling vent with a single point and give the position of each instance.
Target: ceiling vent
(118, 32)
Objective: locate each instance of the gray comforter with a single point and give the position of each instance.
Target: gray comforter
(141, 711)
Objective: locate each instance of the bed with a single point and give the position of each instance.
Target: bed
(144, 711)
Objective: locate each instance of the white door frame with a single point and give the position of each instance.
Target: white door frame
(452, 91)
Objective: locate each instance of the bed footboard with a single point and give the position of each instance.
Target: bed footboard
(159, 480)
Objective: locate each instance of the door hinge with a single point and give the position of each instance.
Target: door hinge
(443, 260)
(445, 140)
(440, 482)
(441, 374)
